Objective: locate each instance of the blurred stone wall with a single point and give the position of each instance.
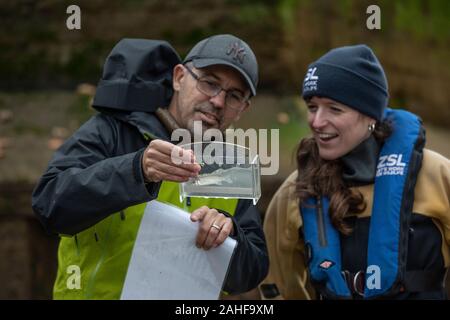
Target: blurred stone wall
(28, 255)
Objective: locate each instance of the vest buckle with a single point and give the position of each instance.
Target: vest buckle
(355, 282)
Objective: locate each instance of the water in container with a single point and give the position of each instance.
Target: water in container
(228, 171)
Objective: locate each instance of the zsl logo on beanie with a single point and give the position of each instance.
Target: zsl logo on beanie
(310, 82)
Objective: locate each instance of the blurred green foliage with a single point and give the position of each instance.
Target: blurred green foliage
(297, 127)
(286, 12)
(424, 19)
(38, 51)
(253, 13)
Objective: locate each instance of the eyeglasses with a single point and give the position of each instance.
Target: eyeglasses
(234, 99)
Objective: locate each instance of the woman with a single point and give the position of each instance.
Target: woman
(366, 215)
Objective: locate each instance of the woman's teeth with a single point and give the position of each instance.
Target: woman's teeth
(327, 136)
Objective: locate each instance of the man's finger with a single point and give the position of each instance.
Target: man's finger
(156, 155)
(215, 222)
(162, 146)
(177, 154)
(205, 226)
(224, 232)
(212, 235)
(171, 177)
(155, 175)
(172, 170)
(199, 214)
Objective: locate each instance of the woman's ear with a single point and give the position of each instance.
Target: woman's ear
(178, 75)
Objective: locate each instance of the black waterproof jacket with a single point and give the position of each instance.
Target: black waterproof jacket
(97, 171)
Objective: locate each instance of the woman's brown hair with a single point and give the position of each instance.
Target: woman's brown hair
(318, 177)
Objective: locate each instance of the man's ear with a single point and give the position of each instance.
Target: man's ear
(178, 75)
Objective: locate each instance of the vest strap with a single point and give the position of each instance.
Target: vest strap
(414, 281)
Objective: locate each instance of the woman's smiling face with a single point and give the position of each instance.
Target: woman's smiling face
(337, 128)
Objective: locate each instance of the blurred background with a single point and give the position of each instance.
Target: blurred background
(49, 73)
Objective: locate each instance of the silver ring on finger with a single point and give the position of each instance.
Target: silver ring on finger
(216, 226)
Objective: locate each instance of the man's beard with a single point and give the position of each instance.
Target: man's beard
(207, 108)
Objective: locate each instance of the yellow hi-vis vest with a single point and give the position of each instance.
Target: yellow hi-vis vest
(93, 264)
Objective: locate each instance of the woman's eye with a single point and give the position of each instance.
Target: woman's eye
(312, 108)
(336, 109)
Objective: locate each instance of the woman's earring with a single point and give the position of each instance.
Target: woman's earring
(371, 127)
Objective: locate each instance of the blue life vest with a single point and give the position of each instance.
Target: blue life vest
(398, 165)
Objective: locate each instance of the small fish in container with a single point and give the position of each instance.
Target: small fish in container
(228, 171)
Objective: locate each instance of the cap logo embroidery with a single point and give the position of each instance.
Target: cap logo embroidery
(237, 53)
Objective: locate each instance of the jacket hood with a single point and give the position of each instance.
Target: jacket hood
(137, 76)
(147, 123)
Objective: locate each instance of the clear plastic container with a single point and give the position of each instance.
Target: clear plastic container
(228, 171)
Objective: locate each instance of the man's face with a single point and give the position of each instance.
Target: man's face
(191, 104)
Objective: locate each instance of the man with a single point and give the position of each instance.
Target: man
(98, 183)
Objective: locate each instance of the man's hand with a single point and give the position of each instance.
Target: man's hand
(214, 227)
(157, 164)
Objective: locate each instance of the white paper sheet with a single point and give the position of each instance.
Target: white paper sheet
(166, 264)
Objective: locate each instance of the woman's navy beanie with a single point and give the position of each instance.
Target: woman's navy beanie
(351, 75)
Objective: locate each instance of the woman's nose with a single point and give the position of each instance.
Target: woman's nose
(319, 119)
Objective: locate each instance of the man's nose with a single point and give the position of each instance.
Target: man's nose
(219, 99)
